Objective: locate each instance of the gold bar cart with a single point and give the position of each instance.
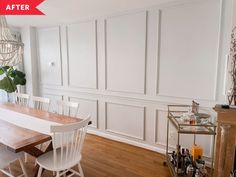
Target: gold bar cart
(174, 114)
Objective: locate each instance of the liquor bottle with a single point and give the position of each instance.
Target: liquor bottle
(190, 170)
(178, 168)
(187, 153)
(178, 160)
(187, 160)
(191, 159)
(172, 159)
(199, 160)
(203, 171)
(183, 152)
(196, 151)
(183, 160)
(178, 148)
(197, 173)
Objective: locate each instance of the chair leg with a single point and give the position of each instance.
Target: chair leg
(22, 165)
(41, 146)
(58, 174)
(26, 158)
(80, 170)
(40, 171)
(10, 170)
(6, 173)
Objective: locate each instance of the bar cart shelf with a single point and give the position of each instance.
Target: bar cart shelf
(174, 117)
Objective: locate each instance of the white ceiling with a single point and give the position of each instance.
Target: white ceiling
(69, 11)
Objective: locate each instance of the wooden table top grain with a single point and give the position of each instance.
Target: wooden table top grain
(21, 139)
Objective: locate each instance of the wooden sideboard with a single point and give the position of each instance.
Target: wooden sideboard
(225, 144)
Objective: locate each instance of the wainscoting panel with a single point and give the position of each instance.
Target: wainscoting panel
(126, 120)
(189, 43)
(126, 53)
(161, 124)
(87, 107)
(50, 56)
(82, 54)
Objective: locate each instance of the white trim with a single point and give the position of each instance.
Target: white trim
(159, 12)
(125, 134)
(145, 99)
(127, 141)
(218, 52)
(68, 58)
(143, 92)
(58, 29)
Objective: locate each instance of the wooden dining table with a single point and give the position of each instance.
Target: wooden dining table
(23, 128)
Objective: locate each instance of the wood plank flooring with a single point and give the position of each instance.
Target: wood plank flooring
(107, 158)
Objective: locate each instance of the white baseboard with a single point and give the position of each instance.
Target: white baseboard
(127, 141)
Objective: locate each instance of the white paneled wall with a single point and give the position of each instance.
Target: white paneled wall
(87, 107)
(127, 120)
(50, 56)
(54, 98)
(189, 40)
(82, 55)
(125, 69)
(126, 49)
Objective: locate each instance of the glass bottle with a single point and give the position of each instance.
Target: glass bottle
(190, 170)
(197, 173)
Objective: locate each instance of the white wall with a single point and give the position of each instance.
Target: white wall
(28, 35)
(126, 68)
(234, 13)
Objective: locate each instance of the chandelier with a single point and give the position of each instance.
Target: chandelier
(11, 50)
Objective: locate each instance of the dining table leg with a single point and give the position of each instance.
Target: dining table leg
(35, 152)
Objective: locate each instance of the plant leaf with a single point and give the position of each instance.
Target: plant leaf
(6, 68)
(11, 73)
(19, 81)
(20, 74)
(12, 79)
(1, 71)
(7, 84)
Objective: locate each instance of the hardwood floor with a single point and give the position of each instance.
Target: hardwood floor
(107, 158)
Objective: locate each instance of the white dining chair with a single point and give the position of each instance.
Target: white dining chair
(68, 142)
(22, 99)
(67, 108)
(7, 157)
(41, 103)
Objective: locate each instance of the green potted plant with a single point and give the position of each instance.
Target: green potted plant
(10, 79)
